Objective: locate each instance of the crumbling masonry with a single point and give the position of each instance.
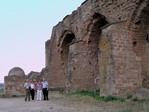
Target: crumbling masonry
(14, 82)
(104, 44)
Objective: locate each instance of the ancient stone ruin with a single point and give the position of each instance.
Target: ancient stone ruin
(15, 80)
(104, 44)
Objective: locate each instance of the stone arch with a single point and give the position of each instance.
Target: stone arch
(145, 46)
(16, 71)
(63, 35)
(67, 40)
(97, 21)
(140, 39)
(136, 18)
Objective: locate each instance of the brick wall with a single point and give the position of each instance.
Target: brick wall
(112, 59)
(14, 85)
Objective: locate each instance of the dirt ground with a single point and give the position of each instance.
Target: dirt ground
(63, 103)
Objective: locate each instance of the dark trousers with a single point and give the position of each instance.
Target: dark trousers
(32, 91)
(27, 94)
(45, 93)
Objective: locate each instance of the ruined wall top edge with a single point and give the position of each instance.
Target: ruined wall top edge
(112, 10)
(16, 71)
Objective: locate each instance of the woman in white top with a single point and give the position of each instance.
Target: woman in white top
(32, 89)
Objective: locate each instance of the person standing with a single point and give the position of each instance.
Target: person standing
(45, 89)
(32, 90)
(27, 90)
(39, 90)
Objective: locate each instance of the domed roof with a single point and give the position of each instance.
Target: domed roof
(16, 71)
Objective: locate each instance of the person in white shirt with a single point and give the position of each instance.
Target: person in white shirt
(32, 89)
(45, 89)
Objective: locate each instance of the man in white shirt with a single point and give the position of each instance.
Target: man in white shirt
(45, 89)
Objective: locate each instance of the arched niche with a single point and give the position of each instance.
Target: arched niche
(97, 21)
(144, 46)
(139, 25)
(67, 40)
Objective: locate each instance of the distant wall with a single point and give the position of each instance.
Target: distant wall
(14, 82)
(14, 85)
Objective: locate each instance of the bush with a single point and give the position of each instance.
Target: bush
(113, 98)
(129, 96)
(96, 95)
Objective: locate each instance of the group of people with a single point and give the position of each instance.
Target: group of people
(40, 88)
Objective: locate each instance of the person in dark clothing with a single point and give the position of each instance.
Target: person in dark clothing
(45, 89)
(32, 89)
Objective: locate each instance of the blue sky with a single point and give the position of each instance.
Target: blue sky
(25, 25)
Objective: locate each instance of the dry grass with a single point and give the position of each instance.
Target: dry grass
(89, 104)
(1, 91)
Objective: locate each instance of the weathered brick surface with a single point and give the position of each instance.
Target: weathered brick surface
(47, 46)
(113, 59)
(14, 85)
(14, 82)
(101, 45)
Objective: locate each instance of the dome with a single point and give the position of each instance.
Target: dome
(16, 71)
